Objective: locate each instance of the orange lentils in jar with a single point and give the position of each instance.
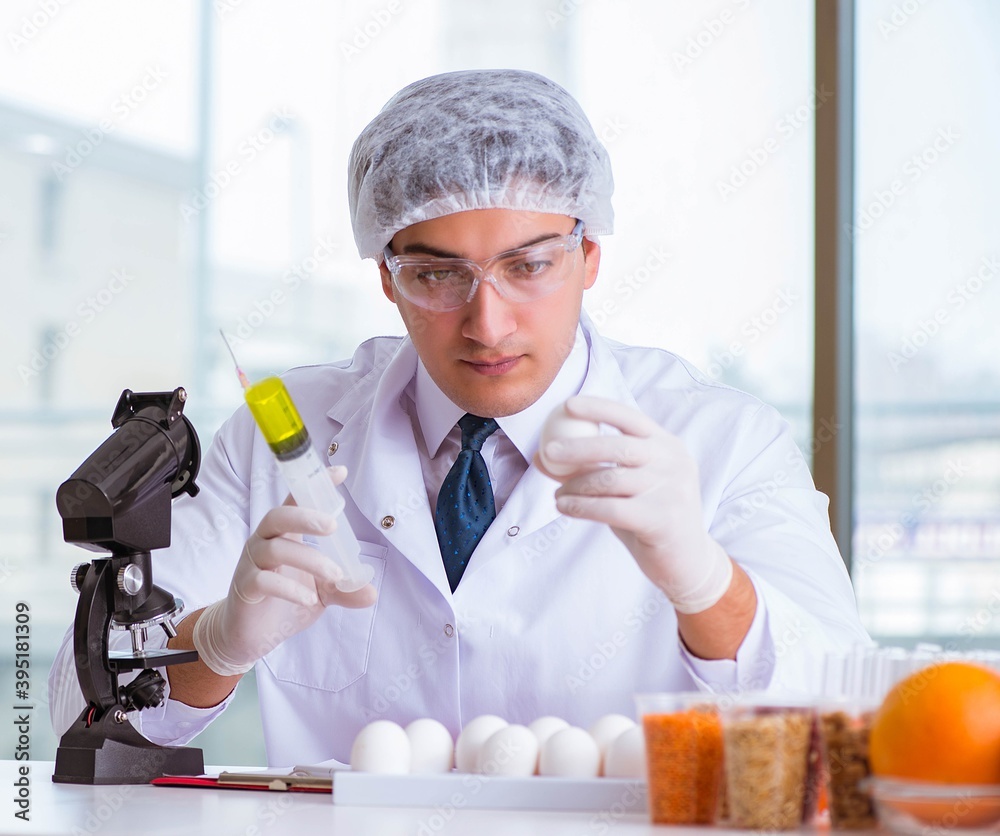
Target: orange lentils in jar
(684, 763)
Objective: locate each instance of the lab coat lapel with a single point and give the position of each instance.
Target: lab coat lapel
(530, 507)
(384, 479)
(604, 377)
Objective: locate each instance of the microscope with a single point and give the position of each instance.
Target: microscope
(118, 502)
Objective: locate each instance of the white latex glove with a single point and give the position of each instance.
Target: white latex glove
(651, 498)
(280, 587)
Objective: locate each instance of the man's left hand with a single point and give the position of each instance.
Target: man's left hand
(645, 485)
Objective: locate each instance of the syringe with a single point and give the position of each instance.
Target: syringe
(309, 483)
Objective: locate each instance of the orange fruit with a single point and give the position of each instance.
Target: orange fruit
(940, 724)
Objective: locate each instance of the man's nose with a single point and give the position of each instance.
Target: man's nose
(488, 316)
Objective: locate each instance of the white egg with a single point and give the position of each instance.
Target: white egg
(570, 753)
(605, 730)
(512, 751)
(381, 747)
(472, 738)
(545, 727)
(560, 425)
(431, 747)
(626, 756)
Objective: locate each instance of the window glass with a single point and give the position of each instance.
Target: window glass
(709, 119)
(927, 258)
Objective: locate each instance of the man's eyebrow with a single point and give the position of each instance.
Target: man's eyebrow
(419, 248)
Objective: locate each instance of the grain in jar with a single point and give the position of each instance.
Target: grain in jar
(768, 766)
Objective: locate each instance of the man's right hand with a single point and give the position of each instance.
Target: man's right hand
(280, 587)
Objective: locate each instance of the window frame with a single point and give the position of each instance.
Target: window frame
(833, 371)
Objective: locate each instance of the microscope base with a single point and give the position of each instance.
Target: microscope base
(115, 753)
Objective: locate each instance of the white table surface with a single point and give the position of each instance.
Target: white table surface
(137, 810)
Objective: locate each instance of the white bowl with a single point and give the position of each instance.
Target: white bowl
(919, 808)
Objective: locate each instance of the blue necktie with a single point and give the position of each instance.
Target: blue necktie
(465, 506)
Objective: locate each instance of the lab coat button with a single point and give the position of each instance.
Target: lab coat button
(334, 446)
(513, 530)
(449, 631)
(388, 521)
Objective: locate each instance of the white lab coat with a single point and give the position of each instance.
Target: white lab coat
(552, 615)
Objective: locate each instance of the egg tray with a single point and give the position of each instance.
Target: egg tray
(485, 792)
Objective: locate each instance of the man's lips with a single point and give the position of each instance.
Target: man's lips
(494, 366)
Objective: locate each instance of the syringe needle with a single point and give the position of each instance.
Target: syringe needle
(239, 372)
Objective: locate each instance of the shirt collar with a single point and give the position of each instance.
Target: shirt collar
(437, 415)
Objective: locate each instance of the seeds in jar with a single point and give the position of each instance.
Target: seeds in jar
(684, 760)
(766, 761)
(845, 739)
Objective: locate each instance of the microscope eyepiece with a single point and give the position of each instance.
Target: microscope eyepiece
(118, 500)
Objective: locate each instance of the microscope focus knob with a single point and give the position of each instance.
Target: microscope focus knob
(76, 576)
(130, 579)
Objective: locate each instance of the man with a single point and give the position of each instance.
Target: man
(686, 548)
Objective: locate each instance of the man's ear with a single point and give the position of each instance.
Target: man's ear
(591, 263)
(387, 283)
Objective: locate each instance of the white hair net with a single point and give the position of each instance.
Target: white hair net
(476, 139)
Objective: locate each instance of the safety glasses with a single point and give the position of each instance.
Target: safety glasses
(523, 275)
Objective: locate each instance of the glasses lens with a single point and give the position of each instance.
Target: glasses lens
(436, 283)
(534, 272)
